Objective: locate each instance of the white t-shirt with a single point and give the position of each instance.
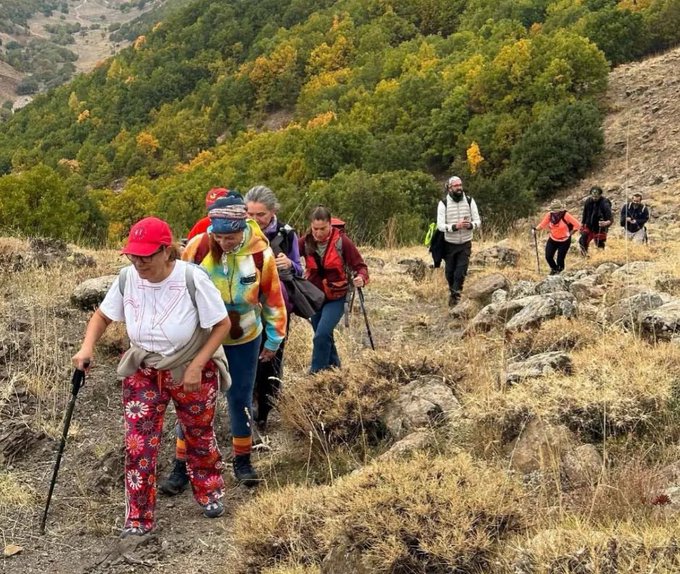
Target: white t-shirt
(160, 317)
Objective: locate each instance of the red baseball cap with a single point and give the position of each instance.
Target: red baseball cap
(214, 194)
(147, 236)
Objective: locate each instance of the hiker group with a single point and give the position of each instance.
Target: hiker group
(594, 226)
(214, 317)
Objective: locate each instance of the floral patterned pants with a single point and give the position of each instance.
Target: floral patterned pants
(145, 398)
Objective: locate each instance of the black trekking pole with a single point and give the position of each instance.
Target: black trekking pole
(349, 305)
(363, 310)
(77, 381)
(538, 259)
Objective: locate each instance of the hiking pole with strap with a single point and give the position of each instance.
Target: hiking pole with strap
(77, 381)
(538, 259)
(363, 310)
(349, 305)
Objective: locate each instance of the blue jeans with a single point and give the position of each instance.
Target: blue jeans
(242, 367)
(242, 361)
(324, 353)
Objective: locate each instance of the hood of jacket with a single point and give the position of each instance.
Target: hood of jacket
(255, 240)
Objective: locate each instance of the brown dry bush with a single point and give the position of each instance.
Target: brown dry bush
(337, 406)
(340, 406)
(572, 546)
(559, 334)
(616, 388)
(421, 515)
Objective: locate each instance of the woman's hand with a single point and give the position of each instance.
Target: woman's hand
(267, 355)
(282, 261)
(192, 379)
(82, 359)
(358, 281)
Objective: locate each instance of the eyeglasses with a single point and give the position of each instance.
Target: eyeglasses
(144, 258)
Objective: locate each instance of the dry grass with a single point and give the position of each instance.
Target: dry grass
(574, 545)
(422, 515)
(14, 493)
(615, 388)
(448, 512)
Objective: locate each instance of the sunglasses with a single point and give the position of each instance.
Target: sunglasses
(144, 258)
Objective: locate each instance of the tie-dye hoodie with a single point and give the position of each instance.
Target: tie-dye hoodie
(255, 296)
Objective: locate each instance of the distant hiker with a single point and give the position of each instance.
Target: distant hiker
(457, 217)
(562, 226)
(262, 206)
(201, 226)
(240, 263)
(331, 261)
(176, 320)
(596, 219)
(634, 218)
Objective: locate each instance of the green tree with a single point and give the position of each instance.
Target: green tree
(559, 148)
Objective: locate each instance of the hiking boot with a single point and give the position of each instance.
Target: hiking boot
(213, 509)
(454, 299)
(177, 480)
(244, 471)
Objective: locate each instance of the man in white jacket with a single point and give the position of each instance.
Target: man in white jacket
(457, 217)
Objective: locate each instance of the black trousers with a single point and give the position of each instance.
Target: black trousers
(268, 381)
(456, 259)
(560, 248)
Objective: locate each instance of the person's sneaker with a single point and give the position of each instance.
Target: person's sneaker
(244, 471)
(177, 480)
(213, 509)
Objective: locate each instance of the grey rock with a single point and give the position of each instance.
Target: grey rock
(627, 311)
(91, 292)
(543, 307)
(417, 440)
(582, 466)
(662, 323)
(540, 446)
(539, 365)
(481, 289)
(422, 403)
(632, 269)
(551, 284)
(522, 288)
(586, 289)
(500, 255)
(499, 296)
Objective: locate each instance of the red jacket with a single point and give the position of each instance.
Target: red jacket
(334, 263)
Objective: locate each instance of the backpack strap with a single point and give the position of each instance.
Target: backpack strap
(280, 243)
(122, 279)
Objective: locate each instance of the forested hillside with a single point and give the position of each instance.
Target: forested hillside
(362, 105)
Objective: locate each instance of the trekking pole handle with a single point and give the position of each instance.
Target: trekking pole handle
(78, 379)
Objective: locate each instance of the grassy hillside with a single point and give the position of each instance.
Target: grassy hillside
(339, 102)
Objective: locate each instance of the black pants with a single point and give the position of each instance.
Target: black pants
(561, 248)
(268, 381)
(457, 259)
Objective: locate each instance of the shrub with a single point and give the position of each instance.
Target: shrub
(558, 149)
(338, 407)
(422, 515)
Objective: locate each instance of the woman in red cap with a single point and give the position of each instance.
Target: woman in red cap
(176, 320)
